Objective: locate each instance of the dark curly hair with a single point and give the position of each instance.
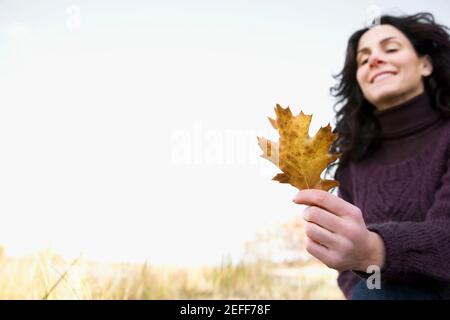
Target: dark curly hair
(357, 128)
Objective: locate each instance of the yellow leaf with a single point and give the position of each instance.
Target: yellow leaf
(300, 157)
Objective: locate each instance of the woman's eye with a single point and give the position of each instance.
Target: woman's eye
(391, 50)
(364, 61)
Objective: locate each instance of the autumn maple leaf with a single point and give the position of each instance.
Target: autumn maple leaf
(301, 158)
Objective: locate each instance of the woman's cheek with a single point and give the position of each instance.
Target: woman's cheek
(360, 74)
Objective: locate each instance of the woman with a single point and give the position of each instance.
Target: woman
(393, 204)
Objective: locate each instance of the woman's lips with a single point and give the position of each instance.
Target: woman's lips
(383, 75)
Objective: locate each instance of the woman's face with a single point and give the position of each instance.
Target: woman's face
(389, 72)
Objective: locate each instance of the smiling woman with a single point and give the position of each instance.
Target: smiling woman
(393, 207)
(389, 70)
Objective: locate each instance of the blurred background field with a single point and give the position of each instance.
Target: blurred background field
(45, 276)
(258, 275)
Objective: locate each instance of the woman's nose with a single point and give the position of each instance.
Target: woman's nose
(375, 60)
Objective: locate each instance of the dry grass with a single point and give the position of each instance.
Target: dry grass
(46, 276)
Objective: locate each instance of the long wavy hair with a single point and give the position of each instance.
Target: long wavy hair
(357, 128)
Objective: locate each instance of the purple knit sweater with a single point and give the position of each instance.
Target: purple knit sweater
(403, 191)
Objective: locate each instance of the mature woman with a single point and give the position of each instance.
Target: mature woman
(393, 204)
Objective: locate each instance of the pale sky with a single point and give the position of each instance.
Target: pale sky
(128, 128)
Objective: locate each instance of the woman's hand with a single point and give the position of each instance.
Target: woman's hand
(337, 234)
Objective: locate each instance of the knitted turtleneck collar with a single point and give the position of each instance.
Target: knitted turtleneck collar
(407, 118)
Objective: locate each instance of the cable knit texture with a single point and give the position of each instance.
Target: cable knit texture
(403, 191)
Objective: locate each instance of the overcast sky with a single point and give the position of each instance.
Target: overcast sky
(128, 128)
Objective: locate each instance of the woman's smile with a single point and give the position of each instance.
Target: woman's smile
(382, 76)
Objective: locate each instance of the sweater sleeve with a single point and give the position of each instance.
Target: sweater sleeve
(420, 248)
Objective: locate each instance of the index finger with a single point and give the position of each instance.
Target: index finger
(324, 200)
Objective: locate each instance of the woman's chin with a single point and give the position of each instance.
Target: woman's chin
(384, 98)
